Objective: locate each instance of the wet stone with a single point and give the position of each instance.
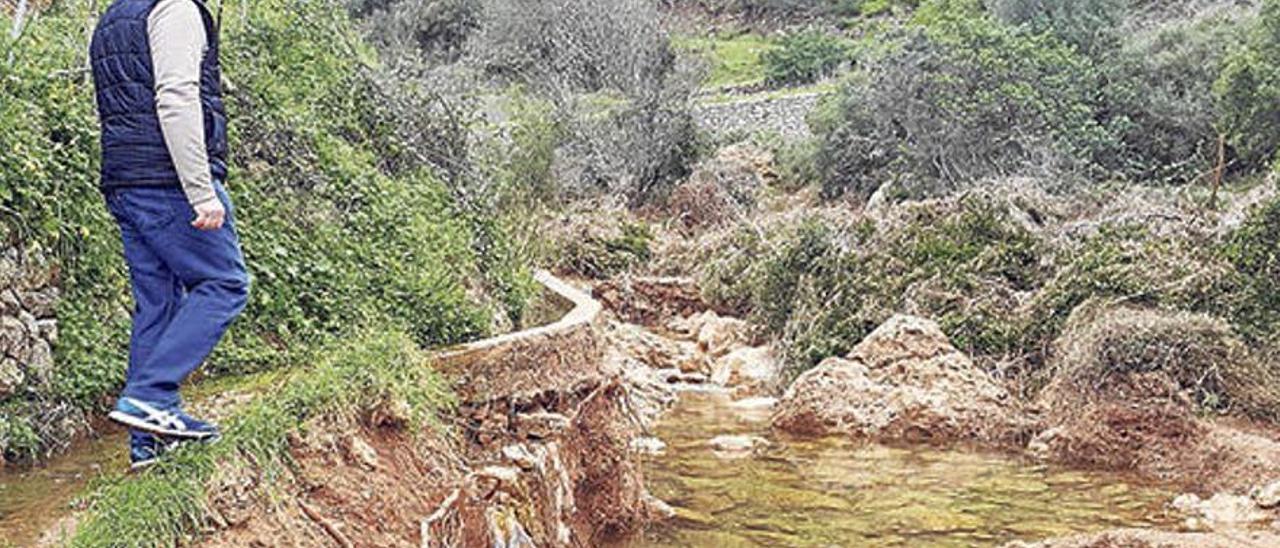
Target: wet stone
(1267, 496)
(648, 445)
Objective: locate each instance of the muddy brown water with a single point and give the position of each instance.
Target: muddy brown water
(839, 492)
(33, 499)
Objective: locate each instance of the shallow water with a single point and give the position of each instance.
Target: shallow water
(33, 499)
(838, 492)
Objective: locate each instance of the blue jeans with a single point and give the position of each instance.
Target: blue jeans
(188, 285)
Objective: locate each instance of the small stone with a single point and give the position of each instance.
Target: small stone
(737, 444)
(746, 365)
(40, 303)
(1267, 496)
(10, 304)
(658, 507)
(540, 425)
(648, 445)
(360, 451)
(39, 358)
(1039, 447)
(719, 335)
(48, 330)
(13, 336)
(11, 376)
(519, 455)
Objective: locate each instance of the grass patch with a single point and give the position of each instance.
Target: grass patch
(167, 505)
(735, 61)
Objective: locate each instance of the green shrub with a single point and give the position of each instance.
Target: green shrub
(1248, 93)
(804, 57)
(1254, 251)
(959, 100)
(1091, 26)
(437, 28)
(1160, 91)
(1131, 264)
(598, 253)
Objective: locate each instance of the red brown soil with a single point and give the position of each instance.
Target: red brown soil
(332, 488)
(1143, 423)
(375, 485)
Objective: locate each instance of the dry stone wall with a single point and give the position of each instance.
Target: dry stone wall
(784, 115)
(28, 327)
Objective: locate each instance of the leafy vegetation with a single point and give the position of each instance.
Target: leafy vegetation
(735, 60)
(804, 57)
(1055, 90)
(973, 98)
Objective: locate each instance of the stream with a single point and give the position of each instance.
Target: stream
(840, 492)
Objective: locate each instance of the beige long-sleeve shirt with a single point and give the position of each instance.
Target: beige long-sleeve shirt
(176, 34)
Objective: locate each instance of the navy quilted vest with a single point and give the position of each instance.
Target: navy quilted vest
(133, 149)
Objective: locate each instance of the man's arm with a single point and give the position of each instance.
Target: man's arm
(176, 34)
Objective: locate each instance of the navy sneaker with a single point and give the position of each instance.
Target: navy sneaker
(145, 449)
(168, 422)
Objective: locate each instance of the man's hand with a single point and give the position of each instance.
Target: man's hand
(209, 215)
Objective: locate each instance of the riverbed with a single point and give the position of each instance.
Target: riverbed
(841, 492)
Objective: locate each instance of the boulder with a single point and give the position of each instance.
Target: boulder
(747, 366)
(1220, 511)
(655, 351)
(718, 335)
(903, 381)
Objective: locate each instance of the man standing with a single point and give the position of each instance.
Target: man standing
(164, 158)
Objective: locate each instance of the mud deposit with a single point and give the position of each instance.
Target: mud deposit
(835, 491)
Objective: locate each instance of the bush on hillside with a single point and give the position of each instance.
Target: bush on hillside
(1254, 251)
(821, 287)
(622, 96)
(804, 57)
(962, 99)
(437, 28)
(1091, 26)
(1130, 263)
(1161, 86)
(1248, 93)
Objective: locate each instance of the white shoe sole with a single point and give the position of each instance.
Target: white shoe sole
(139, 424)
(142, 465)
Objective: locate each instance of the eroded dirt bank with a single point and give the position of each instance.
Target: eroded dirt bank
(536, 455)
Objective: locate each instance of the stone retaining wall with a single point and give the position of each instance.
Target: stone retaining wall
(784, 115)
(28, 327)
(561, 357)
